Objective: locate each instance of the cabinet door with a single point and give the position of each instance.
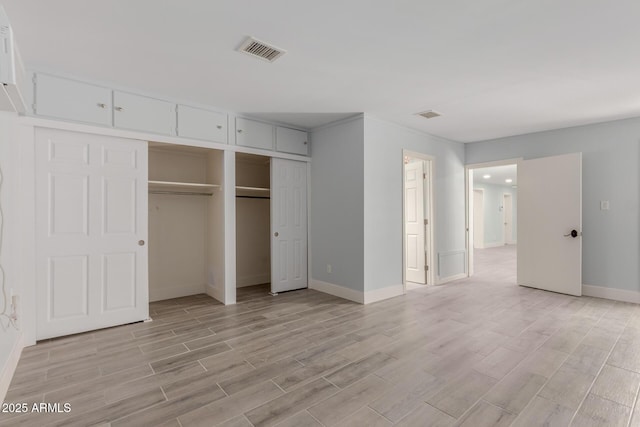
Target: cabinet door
(202, 124)
(144, 114)
(292, 141)
(250, 133)
(71, 100)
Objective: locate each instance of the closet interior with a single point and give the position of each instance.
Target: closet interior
(253, 220)
(186, 221)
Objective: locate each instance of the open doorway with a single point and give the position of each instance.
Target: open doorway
(417, 202)
(492, 215)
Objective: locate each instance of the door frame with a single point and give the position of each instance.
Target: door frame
(472, 213)
(468, 196)
(504, 219)
(429, 198)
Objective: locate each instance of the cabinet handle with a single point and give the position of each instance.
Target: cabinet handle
(118, 108)
(101, 105)
(219, 126)
(305, 143)
(239, 130)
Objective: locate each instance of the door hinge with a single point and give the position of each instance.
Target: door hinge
(426, 268)
(426, 222)
(424, 176)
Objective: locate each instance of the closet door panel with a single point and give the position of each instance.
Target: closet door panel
(91, 214)
(289, 225)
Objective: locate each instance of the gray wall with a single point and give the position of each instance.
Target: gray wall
(336, 231)
(383, 145)
(611, 160)
(493, 215)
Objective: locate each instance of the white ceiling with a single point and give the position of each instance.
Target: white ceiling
(498, 175)
(493, 67)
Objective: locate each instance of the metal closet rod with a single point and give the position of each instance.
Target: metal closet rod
(181, 193)
(253, 197)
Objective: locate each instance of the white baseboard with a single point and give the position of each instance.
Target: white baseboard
(256, 279)
(215, 293)
(611, 293)
(443, 280)
(382, 294)
(337, 290)
(493, 245)
(160, 294)
(10, 367)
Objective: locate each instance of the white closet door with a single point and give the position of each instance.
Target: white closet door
(91, 231)
(288, 225)
(416, 264)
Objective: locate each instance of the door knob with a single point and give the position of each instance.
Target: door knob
(574, 234)
(276, 234)
(141, 242)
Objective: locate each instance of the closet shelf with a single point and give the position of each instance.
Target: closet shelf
(242, 191)
(189, 187)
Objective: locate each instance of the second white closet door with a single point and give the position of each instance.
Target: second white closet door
(288, 225)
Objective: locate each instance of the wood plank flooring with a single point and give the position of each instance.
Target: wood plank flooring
(478, 352)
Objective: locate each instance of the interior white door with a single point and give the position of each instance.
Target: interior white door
(414, 222)
(478, 219)
(508, 218)
(288, 225)
(91, 228)
(550, 223)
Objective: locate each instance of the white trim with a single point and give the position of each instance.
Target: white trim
(443, 280)
(492, 245)
(168, 139)
(611, 293)
(161, 294)
(10, 366)
(337, 290)
(338, 122)
(384, 293)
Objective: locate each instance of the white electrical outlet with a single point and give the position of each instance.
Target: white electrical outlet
(329, 270)
(604, 205)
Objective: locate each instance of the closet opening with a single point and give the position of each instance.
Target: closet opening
(186, 221)
(253, 225)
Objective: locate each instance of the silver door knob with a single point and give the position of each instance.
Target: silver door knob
(102, 105)
(141, 242)
(276, 234)
(239, 130)
(219, 126)
(118, 108)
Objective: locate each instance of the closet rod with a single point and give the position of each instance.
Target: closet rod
(252, 197)
(181, 193)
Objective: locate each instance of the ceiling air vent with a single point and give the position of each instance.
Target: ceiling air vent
(429, 114)
(261, 49)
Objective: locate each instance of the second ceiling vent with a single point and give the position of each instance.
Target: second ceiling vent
(429, 114)
(260, 49)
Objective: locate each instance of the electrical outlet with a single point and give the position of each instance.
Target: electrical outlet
(604, 205)
(14, 307)
(329, 270)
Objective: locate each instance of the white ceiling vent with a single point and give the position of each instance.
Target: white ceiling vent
(261, 49)
(429, 114)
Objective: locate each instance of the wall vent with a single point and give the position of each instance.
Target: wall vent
(429, 114)
(260, 49)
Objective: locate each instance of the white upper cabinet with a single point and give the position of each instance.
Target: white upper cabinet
(292, 141)
(199, 123)
(250, 133)
(144, 114)
(71, 100)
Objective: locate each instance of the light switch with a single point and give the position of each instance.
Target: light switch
(604, 205)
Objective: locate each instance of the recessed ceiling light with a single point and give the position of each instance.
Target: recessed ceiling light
(487, 176)
(430, 114)
(508, 180)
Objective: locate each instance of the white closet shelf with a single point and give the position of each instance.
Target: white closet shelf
(252, 191)
(182, 186)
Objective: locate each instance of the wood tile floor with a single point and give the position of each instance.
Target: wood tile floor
(478, 352)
